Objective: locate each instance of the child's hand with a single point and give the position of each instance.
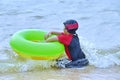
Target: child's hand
(47, 35)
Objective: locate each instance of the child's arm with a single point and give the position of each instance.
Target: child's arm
(52, 39)
(56, 33)
(52, 33)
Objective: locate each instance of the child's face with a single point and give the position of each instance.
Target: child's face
(65, 31)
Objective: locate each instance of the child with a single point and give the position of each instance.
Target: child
(71, 43)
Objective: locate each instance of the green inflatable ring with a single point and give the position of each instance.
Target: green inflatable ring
(29, 43)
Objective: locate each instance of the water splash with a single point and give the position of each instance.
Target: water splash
(100, 58)
(11, 62)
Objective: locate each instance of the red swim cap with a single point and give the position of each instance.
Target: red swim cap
(71, 26)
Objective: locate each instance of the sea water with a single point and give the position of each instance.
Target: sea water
(99, 29)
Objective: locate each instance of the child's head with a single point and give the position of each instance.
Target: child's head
(71, 26)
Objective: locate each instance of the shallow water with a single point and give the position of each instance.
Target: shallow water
(98, 32)
(87, 73)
